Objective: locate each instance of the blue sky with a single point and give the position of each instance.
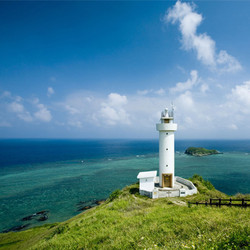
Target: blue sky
(107, 69)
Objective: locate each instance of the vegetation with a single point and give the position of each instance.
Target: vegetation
(200, 151)
(130, 221)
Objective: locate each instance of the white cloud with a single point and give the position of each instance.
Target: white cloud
(160, 92)
(26, 116)
(50, 91)
(240, 95)
(16, 107)
(115, 99)
(202, 44)
(186, 101)
(43, 114)
(71, 109)
(229, 63)
(183, 86)
(204, 88)
(5, 94)
(113, 112)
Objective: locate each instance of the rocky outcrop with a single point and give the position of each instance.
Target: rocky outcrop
(201, 151)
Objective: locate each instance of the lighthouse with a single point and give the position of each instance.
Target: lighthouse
(166, 129)
(166, 184)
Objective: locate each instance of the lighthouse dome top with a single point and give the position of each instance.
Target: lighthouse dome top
(167, 116)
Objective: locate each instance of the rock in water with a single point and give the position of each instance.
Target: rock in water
(42, 212)
(84, 208)
(16, 228)
(30, 217)
(43, 218)
(99, 202)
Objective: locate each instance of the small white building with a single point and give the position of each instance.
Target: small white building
(147, 182)
(167, 184)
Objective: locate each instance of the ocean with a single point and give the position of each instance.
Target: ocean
(61, 176)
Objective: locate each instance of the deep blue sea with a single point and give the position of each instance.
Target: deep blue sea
(57, 175)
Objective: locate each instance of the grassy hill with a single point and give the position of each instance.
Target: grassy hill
(129, 221)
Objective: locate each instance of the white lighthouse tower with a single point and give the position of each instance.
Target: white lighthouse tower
(166, 129)
(166, 184)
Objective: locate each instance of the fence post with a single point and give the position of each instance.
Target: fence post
(210, 202)
(219, 202)
(242, 202)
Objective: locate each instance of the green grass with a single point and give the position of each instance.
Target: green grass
(129, 221)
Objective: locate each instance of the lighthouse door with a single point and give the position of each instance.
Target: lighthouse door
(166, 180)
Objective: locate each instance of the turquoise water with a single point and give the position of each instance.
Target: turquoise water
(58, 178)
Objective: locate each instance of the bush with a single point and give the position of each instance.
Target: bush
(207, 184)
(115, 194)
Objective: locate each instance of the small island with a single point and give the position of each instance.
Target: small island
(200, 151)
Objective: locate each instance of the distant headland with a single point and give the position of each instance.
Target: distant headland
(201, 151)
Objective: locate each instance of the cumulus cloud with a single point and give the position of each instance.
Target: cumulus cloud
(18, 108)
(71, 110)
(183, 86)
(5, 94)
(24, 109)
(81, 106)
(50, 91)
(185, 102)
(26, 116)
(188, 19)
(43, 114)
(160, 92)
(240, 96)
(113, 111)
(85, 108)
(117, 100)
(204, 88)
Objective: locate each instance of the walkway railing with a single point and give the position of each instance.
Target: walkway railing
(224, 202)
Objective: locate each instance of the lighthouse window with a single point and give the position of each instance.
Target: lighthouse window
(166, 165)
(166, 148)
(166, 133)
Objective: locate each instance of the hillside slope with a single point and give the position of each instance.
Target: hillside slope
(129, 221)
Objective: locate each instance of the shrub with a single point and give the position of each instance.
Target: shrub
(115, 194)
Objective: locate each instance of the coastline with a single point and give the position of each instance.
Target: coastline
(60, 185)
(128, 220)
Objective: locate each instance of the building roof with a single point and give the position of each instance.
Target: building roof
(146, 174)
